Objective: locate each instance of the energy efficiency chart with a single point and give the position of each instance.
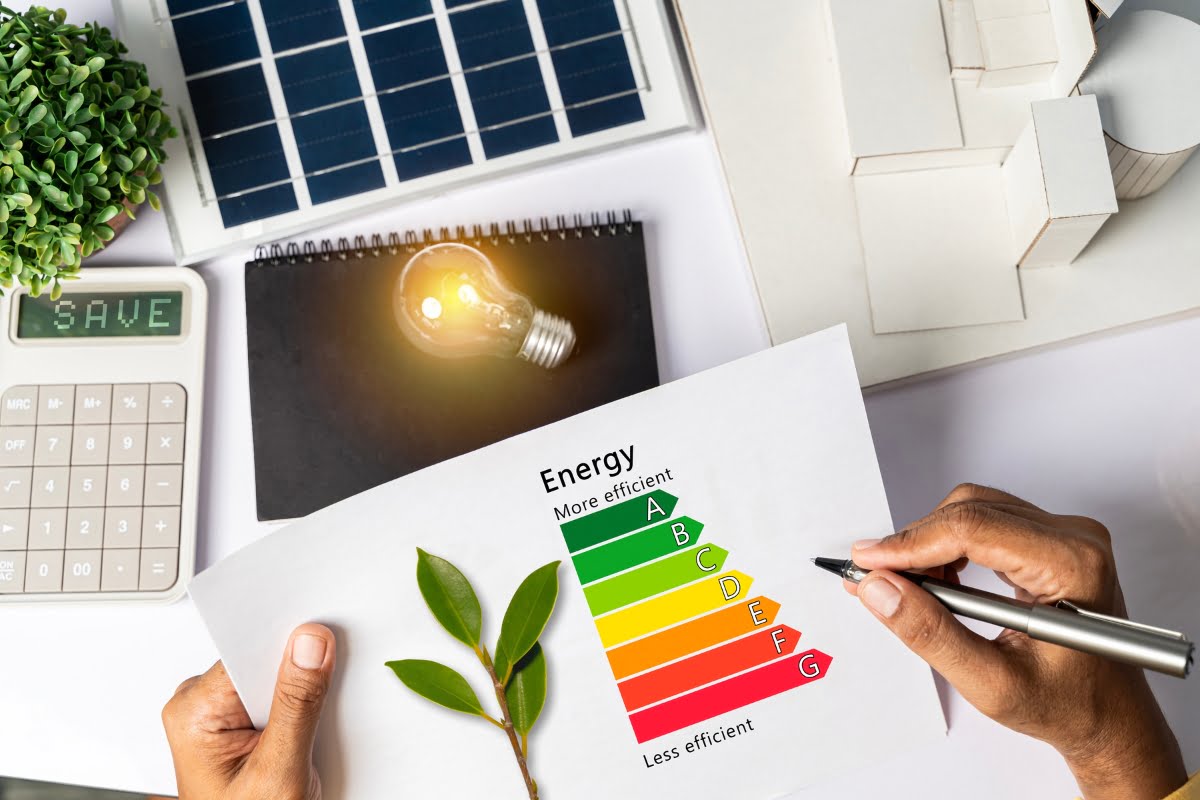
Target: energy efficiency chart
(686, 639)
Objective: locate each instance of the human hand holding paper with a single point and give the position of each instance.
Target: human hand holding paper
(220, 756)
(1099, 714)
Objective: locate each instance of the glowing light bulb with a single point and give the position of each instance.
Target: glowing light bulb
(451, 301)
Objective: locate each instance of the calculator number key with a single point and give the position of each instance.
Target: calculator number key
(52, 446)
(45, 571)
(91, 445)
(81, 571)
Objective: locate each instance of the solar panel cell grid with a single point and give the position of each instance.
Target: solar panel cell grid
(405, 55)
(315, 78)
(229, 100)
(373, 13)
(568, 21)
(296, 23)
(330, 140)
(330, 130)
(591, 71)
(215, 38)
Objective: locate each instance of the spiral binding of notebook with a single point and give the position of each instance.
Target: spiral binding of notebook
(578, 226)
(340, 402)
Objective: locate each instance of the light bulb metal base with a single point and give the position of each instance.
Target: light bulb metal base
(549, 342)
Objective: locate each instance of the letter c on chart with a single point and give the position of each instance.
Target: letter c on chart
(700, 564)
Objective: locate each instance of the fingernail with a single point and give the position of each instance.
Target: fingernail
(863, 544)
(308, 651)
(881, 596)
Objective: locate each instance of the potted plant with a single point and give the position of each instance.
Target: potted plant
(81, 136)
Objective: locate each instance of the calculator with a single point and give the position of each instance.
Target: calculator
(101, 396)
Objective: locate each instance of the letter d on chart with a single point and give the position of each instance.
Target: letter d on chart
(729, 580)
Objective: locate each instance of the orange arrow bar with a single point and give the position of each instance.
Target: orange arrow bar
(711, 665)
(697, 634)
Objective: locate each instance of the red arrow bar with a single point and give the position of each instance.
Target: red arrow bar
(720, 698)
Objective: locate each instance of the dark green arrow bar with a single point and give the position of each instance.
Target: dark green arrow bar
(647, 545)
(655, 578)
(614, 521)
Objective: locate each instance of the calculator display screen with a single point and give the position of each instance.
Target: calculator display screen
(83, 315)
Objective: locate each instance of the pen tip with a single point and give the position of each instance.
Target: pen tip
(813, 560)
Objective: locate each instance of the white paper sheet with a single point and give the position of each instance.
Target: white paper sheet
(771, 453)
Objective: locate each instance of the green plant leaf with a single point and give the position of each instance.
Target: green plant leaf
(22, 55)
(79, 75)
(74, 104)
(526, 690)
(438, 683)
(107, 213)
(92, 152)
(95, 63)
(19, 78)
(526, 617)
(450, 597)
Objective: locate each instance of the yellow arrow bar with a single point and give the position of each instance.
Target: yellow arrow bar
(676, 606)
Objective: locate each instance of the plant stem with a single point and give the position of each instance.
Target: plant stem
(518, 750)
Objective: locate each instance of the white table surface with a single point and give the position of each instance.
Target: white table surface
(1109, 428)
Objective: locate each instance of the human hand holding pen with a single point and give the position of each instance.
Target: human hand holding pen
(1100, 715)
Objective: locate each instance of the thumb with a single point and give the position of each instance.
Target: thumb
(287, 742)
(963, 657)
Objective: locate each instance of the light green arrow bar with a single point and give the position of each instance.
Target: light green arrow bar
(654, 578)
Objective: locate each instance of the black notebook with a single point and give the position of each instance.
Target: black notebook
(342, 402)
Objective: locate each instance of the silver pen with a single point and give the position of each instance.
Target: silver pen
(1063, 624)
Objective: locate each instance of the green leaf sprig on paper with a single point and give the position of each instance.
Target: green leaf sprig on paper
(518, 670)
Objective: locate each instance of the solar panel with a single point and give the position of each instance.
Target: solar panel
(296, 112)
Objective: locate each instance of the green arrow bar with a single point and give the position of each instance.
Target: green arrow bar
(655, 578)
(670, 537)
(614, 521)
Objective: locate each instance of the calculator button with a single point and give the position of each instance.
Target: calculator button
(85, 528)
(92, 404)
(81, 571)
(45, 571)
(160, 527)
(158, 569)
(90, 445)
(52, 445)
(119, 572)
(56, 405)
(129, 402)
(168, 402)
(122, 528)
(14, 487)
(12, 572)
(165, 445)
(50, 487)
(19, 406)
(87, 486)
(16, 446)
(164, 485)
(47, 528)
(127, 444)
(125, 485)
(14, 525)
